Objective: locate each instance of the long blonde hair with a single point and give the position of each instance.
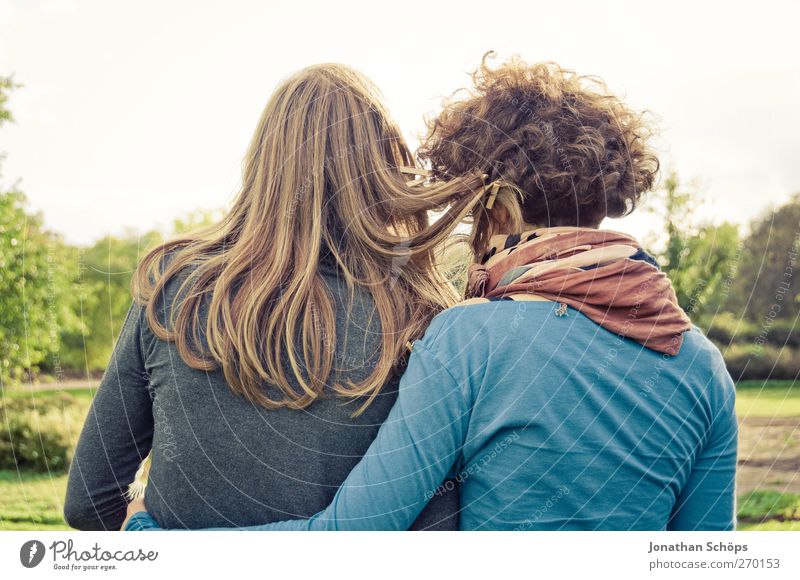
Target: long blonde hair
(321, 176)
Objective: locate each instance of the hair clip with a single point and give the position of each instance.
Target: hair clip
(423, 174)
(495, 187)
(413, 170)
(490, 188)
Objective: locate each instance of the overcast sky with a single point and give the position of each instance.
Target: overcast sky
(134, 113)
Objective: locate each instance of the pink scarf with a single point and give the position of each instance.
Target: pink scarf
(603, 274)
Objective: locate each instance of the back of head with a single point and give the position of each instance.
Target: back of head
(573, 151)
(320, 181)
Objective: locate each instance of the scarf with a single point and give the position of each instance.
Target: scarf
(603, 274)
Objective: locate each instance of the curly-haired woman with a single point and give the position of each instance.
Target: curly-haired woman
(570, 391)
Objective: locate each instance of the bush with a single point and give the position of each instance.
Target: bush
(748, 362)
(39, 432)
(784, 332)
(726, 328)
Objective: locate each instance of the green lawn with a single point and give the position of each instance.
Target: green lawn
(19, 393)
(30, 500)
(767, 399)
(769, 510)
(770, 526)
(34, 501)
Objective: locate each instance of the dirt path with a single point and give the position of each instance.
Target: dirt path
(769, 454)
(66, 385)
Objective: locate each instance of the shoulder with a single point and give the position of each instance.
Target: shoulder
(705, 361)
(153, 272)
(704, 354)
(465, 336)
(175, 287)
(479, 315)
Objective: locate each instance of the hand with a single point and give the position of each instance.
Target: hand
(134, 507)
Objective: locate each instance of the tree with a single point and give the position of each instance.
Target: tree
(34, 281)
(196, 219)
(767, 290)
(104, 296)
(7, 84)
(103, 290)
(701, 259)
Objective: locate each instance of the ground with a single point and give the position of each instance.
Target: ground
(768, 477)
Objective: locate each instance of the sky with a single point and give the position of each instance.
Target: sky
(134, 113)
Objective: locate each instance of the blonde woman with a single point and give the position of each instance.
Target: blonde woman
(260, 355)
(570, 391)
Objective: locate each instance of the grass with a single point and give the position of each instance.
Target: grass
(769, 384)
(34, 501)
(767, 399)
(762, 510)
(769, 504)
(770, 526)
(20, 393)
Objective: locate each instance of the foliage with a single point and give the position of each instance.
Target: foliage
(727, 328)
(36, 272)
(7, 84)
(35, 276)
(195, 220)
(766, 384)
(742, 291)
(767, 362)
(39, 433)
(767, 288)
(104, 294)
(766, 504)
(700, 259)
(103, 297)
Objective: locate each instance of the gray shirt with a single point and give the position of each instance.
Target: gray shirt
(217, 459)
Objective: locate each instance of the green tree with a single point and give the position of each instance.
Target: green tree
(36, 270)
(701, 259)
(7, 84)
(196, 219)
(104, 296)
(34, 282)
(62, 307)
(767, 290)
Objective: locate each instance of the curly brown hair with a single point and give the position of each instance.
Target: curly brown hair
(577, 152)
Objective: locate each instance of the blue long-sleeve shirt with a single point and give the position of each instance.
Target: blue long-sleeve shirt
(549, 422)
